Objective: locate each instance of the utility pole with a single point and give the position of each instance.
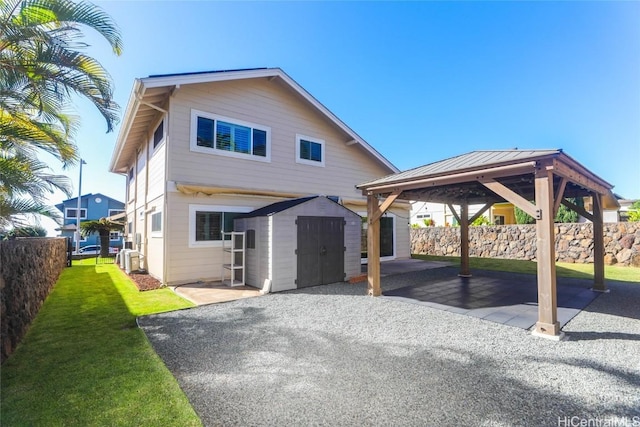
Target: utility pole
(77, 236)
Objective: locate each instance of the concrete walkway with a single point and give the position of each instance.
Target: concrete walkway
(203, 293)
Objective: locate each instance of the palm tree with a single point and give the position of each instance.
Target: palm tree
(103, 227)
(24, 183)
(41, 66)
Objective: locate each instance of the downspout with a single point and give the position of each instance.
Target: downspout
(165, 195)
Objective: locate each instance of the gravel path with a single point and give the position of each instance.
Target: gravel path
(330, 355)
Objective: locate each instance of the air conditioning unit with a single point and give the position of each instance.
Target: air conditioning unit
(122, 254)
(131, 261)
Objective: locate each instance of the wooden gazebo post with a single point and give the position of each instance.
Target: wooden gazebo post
(598, 244)
(547, 325)
(373, 247)
(464, 241)
(374, 213)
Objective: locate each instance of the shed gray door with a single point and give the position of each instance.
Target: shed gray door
(320, 250)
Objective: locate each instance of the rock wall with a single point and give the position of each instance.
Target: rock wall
(574, 242)
(29, 268)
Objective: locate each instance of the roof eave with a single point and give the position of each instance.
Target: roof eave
(130, 113)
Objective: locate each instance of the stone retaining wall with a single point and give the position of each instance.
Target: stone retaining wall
(29, 268)
(574, 242)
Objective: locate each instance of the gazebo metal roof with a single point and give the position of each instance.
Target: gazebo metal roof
(458, 179)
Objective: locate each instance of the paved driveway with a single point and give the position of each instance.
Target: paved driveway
(331, 356)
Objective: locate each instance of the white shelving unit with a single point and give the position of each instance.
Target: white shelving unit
(233, 246)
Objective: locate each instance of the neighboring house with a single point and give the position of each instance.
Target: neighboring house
(92, 207)
(439, 214)
(201, 149)
(500, 213)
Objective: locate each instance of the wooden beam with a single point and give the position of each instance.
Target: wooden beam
(580, 210)
(480, 212)
(562, 169)
(385, 205)
(512, 197)
(453, 212)
(373, 248)
(598, 245)
(558, 197)
(464, 241)
(547, 325)
(412, 184)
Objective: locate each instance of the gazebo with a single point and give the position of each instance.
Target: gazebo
(536, 181)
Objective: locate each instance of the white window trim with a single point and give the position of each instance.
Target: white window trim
(112, 210)
(395, 236)
(193, 243)
(66, 215)
(119, 236)
(300, 137)
(164, 136)
(193, 143)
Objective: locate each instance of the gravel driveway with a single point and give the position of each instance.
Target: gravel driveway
(330, 355)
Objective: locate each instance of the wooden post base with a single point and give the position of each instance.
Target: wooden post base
(548, 330)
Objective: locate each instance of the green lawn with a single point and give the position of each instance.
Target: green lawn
(563, 269)
(85, 362)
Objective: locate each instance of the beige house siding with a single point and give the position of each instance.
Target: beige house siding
(189, 264)
(153, 242)
(265, 103)
(156, 173)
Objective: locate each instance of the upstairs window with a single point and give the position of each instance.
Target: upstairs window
(72, 213)
(219, 135)
(158, 135)
(309, 150)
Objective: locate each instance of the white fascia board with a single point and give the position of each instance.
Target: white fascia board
(132, 109)
(160, 81)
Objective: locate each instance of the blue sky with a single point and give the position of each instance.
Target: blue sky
(419, 81)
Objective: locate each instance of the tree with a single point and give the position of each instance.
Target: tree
(522, 217)
(103, 227)
(41, 67)
(634, 212)
(564, 215)
(28, 231)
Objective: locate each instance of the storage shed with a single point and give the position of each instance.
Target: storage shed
(300, 242)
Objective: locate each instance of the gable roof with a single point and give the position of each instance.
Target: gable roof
(149, 95)
(60, 206)
(474, 160)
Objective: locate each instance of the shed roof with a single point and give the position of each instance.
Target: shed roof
(274, 208)
(278, 207)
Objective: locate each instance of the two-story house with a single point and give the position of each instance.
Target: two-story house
(201, 149)
(92, 207)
